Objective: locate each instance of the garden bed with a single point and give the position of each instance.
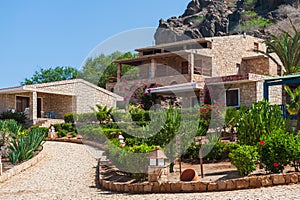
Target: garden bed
(10, 170)
(218, 177)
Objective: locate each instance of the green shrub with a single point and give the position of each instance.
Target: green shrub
(295, 153)
(74, 134)
(244, 158)
(41, 129)
(92, 132)
(86, 118)
(9, 129)
(218, 151)
(129, 159)
(17, 116)
(57, 127)
(255, 23)
(68, 127)
(275, 150)
(62, 133)
(137, 117)
(69, 117)
(261, 119)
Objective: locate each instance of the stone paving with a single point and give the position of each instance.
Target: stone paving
(68, 172)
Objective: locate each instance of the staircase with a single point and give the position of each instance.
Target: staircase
(43, 122)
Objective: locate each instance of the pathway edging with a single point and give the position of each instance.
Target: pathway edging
(22, 167)
(199, 186)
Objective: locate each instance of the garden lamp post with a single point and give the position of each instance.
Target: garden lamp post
(121, 139)
(157, 162)
(200, 141)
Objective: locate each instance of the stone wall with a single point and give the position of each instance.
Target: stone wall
(72, 96)
(87, 97)
(199, 186)
(228, 51)
(61, 104)
(121, 88)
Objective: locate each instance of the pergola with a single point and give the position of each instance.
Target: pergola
(292, 79)
(282, 80)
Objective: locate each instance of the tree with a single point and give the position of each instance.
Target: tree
(51, 75)
(97, 70)
(294, 106)
(287, 48)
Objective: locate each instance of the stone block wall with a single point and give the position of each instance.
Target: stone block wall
(228, 51)
(121, 88)
(259, 65)
(87, 97)
(61, 104)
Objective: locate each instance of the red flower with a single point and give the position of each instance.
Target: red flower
(262, 143)
(275, 164)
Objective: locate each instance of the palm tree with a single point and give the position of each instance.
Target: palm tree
(287, 48)
(294, 106)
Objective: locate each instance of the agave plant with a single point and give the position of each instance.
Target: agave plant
(24, 145)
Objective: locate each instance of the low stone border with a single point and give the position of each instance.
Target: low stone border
(77, 141)
(22, 167)
(198, 186)
(71, 140)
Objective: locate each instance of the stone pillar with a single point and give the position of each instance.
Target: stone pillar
(119, 72)
(34, 107)
(191, 60)
(152, 68)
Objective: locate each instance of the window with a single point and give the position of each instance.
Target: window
(279, 70)
(233, 97)
(185, 67)
(22, 103)
(256, 46)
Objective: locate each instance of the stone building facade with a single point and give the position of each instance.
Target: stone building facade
(53, 100)
(202, 60)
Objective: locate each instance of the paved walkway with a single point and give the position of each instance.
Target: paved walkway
(68, 172)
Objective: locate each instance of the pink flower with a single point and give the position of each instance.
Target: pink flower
(275, 164)
(262, 143)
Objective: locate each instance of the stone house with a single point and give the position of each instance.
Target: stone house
(188, 66)
(53, 100)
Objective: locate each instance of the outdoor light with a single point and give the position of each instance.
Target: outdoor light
(121, 139)
(157, 158)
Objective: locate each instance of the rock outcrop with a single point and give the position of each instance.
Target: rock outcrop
(207, 18)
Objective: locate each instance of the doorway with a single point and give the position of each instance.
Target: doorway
(39, 107)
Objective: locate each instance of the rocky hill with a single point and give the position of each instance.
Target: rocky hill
(207, 18)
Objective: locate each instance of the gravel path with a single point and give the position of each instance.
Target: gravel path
(68, 172)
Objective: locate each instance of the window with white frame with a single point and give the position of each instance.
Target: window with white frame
(233, 97)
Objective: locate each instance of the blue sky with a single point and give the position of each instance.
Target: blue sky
(40, 34)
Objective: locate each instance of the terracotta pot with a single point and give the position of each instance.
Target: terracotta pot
(189, 175)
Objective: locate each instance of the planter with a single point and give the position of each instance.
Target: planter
(189, 175)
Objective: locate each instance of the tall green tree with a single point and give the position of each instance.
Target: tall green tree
(97, 70)
(51, 75)
(294, 106)
(287, 48)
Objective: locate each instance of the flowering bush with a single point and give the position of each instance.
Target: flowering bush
(142, 95)
(261, 119)
(275, 150)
